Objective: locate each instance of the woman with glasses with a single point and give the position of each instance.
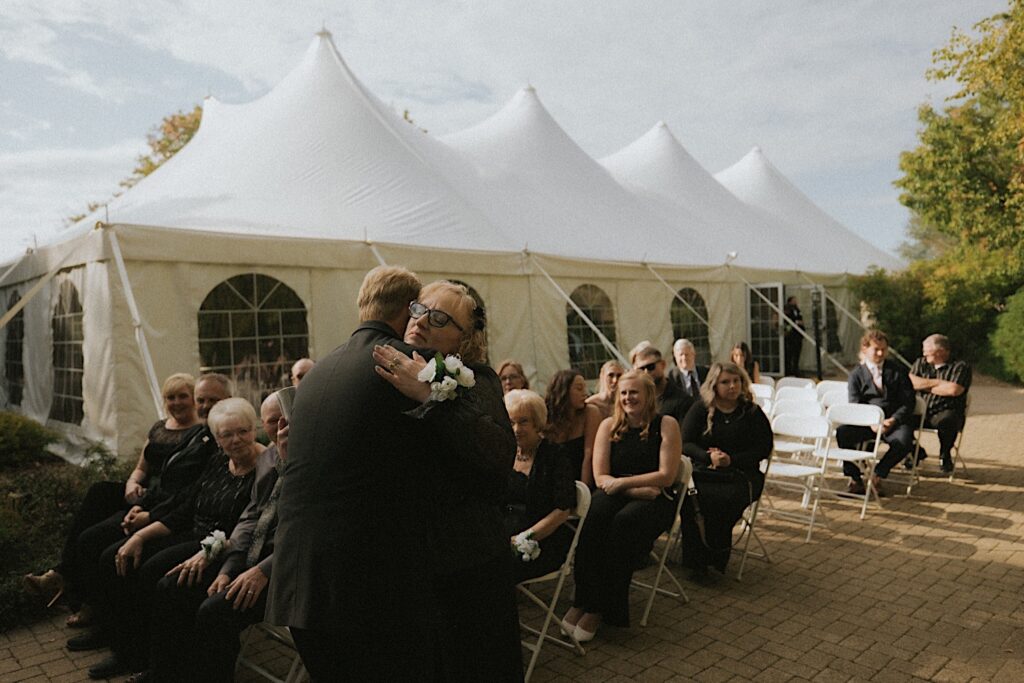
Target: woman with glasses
(468, 450)
(611, 371)
(726, 435)
(572, 423)
(512, 376)
(131, 568)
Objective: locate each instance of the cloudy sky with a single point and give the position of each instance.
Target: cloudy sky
(827, 88)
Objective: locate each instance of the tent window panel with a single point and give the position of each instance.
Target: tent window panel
(68, 359)
(252, 327)
(688, 325)
(14, 360)
(586, 351)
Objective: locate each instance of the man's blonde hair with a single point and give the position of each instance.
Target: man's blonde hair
(386, 292)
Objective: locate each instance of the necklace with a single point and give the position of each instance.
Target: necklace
(524, 457)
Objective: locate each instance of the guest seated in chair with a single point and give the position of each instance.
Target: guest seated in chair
(742, 356)
(944, 383)
(512, 376)
(636, 463)
(604, 399)
(572, 424)
(881, 382)
(541, 492)
(726, 435)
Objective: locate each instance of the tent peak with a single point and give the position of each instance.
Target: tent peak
(323, 33)
(528, 88)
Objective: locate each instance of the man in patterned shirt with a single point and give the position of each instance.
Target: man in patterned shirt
(943, 383)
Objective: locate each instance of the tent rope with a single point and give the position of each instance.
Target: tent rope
(680, 299)
(376, 253)
(23, 301)
(590, 323)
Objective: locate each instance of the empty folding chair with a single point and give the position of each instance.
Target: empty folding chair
(799, 382)
(858, 415)
(766, 380)
(685, 486)
(765, 403)
(762, 391)
(558, 576)
(835, 397)
(796, 393)
(794, 467)
(827, 385)
(296, 671)
(793, 406)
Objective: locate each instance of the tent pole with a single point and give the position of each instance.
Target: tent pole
(590, 323)
(852, 317)
(140, 335)
(782, 314)
(376, 253)
(681, 299)
(32, 292)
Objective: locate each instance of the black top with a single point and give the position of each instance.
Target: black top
(674, 401)
(162, 442)
(180, 470)
(549, 486)
(745, 434)
(215, 500)
(572, 451)
(895, 398)
(632, 455)
(955, 371)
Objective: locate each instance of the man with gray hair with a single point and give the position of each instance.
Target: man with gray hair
(943, 382)
(687, 375)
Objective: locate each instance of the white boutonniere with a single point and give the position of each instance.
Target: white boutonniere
(214, 544)
(446, 374)
(524, 546)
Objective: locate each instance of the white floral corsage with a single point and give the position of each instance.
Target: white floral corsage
(214, 544)
(524, 546)
(446, 374)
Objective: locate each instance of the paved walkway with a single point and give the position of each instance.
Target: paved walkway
(930, 588)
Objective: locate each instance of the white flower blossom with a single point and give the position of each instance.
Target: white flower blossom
(448, 384)
(527, 548)
(428, 371)
(466, 377)
(453, 364)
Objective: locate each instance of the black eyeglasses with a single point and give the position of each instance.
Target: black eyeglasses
(435, 317)
(649, 367)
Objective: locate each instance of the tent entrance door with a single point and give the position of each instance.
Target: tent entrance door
(765, 331)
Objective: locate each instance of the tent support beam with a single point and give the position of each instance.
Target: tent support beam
(14, 265)
(140, 334)
(783, 316)
(376, 253)
(852, 317)
(680, 299)
(9, 315)
(590, 323)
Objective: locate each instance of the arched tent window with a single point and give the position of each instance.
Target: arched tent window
(68, 360)
(586, 351)
(252, 328)
(688, 325)
(479, 302)
(14, 364)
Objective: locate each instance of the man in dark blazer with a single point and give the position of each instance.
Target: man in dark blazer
(881, 382)
(686, 374)
(348, 570)
(671, 399)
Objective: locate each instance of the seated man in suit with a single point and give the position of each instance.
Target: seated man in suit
(883, 383)
(687, 375)
(671, 399)
(943, 383)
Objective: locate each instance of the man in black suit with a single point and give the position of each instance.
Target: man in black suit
(794, 338)
(687, 375)
(348, 570)
(881, 382)
(671, 399)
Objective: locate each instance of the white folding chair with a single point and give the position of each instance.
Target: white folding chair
(684, 485)
(796, 393)
(747, 529)
(835, 397)
(767, 380)
(296, 672)
(798, 382)
(859, 415)
(827, 385)
(958, 459)
(558, 576)
(762, 391)
(911, 476)
(793, 406)
(765, 403)
(794, 467)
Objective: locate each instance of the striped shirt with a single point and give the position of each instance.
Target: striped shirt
(956, 371)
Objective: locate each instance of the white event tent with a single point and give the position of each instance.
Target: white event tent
(246, 249)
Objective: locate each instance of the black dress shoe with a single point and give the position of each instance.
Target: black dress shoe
(90, 640)
(108, 668)
(947, 464)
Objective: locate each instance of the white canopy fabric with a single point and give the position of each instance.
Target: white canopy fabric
(756, 181)
(657, 167)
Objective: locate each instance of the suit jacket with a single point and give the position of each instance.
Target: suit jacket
(676, 375)
(897, 399)
(351, 537)
(675, 402)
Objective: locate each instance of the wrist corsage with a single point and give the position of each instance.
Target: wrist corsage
(446, 374)
(525, 547)
(214, 544)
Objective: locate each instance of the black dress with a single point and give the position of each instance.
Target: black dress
(573, 452)
(619, 530)
(723, 493)
(531, 498)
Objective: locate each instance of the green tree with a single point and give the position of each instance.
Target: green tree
(1007, 340)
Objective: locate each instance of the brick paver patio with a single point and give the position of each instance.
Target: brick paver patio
(927, 589)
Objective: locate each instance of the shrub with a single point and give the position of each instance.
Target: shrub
(1008, 337)
(22, 440)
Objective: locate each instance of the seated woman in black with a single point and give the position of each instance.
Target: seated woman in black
(131, 568)
(726, 436)
(636, 459)
(572, 424)
(541, 492)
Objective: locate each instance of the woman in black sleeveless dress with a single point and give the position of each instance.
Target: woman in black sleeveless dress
(636, 463)
(572, 424)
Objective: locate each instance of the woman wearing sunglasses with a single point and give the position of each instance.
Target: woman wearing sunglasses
(468, 450)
